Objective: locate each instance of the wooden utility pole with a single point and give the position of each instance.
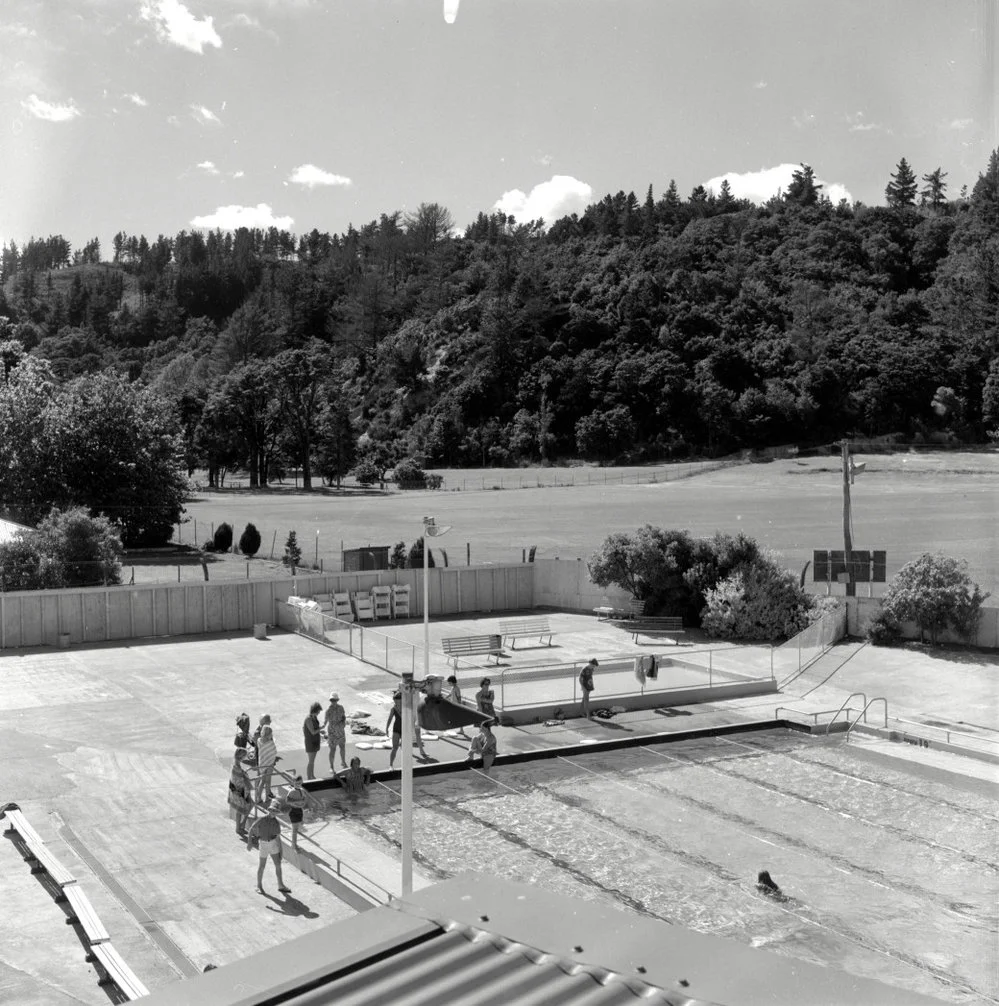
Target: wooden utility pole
(851, 585)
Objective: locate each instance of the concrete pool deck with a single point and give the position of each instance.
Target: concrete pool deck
(119, 756)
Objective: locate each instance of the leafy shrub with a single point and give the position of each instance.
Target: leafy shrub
(292, 553)
(249, 540)
(409, 474)
(433, 480)
(222, 538)
(882, 630)
(70, 549)
(759, 600)
(209, 546)
(367, 472)
(935, 592)
(668, 569)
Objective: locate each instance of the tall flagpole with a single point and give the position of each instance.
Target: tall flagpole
(430, 530)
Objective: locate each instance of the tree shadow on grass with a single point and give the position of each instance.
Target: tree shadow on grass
(953, 653)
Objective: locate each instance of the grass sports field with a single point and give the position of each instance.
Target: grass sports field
(904, 503)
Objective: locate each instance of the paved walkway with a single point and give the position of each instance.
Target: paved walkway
(119, 756)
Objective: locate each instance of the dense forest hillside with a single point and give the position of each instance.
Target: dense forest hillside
(645, 328)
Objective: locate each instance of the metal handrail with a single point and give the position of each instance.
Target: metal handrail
(842, 707)
(877, 698)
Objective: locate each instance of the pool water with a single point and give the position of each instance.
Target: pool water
(891, 874)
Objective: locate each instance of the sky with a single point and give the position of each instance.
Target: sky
(153, 116)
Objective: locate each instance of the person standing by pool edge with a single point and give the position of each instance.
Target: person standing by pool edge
(313, 738)
(336, 731)
(268, 832)
(586, 684)
(240, 802)
(394, 722)
(485, 697)
(455, 697)
(296, 800)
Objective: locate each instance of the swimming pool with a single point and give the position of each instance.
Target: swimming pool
(892, 874)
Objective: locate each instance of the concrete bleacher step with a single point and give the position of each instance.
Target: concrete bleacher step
(948, 761)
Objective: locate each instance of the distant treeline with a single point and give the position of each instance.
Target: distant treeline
(639, 329)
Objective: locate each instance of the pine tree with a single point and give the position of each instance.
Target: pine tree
(985, 194)
(933, 193)
(725, 198)
(649, 214)
(901, 190)
(292, 552)
(803, 190)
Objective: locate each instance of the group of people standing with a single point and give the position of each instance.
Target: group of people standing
(333, 729)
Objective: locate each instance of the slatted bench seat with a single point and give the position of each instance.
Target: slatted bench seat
(657, 625)
(118, 972)
(44, 858)
(83, 913)
(516, 627)
(473, 646)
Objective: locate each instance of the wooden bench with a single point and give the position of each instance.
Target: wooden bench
(83, 913)
(515, 627)
(473, 646)
(44, 859)
(656, 625)
(118, 972)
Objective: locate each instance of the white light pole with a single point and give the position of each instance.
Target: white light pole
(430, 530)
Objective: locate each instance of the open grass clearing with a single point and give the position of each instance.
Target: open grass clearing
(905, 504)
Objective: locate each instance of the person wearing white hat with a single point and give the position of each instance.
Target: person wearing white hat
(336, 730)
(268, 831)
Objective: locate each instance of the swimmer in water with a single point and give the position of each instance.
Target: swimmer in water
(765, 885)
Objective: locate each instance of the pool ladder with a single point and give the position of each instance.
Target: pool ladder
(845, 707)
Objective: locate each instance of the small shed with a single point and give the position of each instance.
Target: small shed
(369, 557)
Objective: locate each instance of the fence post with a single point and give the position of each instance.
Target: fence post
(710, 668)
(386, 653)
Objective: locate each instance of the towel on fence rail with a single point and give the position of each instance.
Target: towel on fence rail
(650, 667)
(646, 668)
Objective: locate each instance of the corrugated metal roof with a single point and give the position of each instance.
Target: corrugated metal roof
(465, 966)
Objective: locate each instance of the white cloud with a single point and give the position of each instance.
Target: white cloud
(208, 167)
(451, 10)
(238, 174)
(48, 111)
(760, 84)
(759, 186)
(960, 124)
(174, 23)
(205, 115)
(18, 30)
(310, 176)
(247, 20)
(866, 127)
(137, 99)
(229, 218)
(550, 200)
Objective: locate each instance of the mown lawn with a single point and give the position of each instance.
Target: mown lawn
(905, 504)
